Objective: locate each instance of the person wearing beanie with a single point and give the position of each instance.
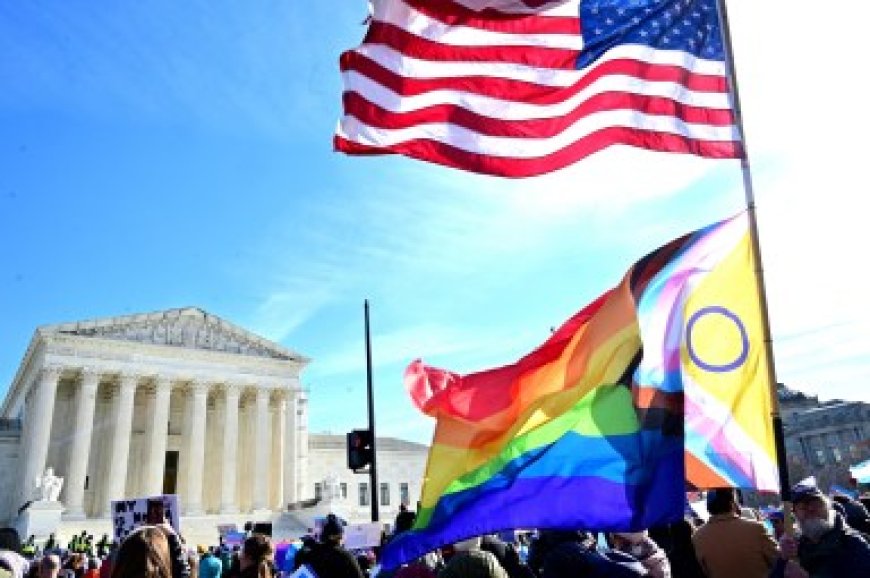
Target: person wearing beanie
(469, 561)
(329, 558)
(827, 546)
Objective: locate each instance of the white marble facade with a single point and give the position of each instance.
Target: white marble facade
(177, 400)
(401, 469)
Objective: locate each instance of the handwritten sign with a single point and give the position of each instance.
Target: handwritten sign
(361, 536)
(129, 514)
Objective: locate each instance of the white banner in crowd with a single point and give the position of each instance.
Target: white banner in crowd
(129, 514)
(360, 536)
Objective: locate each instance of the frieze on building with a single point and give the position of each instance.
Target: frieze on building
(190, 328)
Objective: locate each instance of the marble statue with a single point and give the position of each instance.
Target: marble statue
(49, 486)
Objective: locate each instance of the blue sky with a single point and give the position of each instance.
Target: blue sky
(163, 154)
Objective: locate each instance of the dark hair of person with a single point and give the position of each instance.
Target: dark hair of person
(143, 554)
(9, 539)
(721, 502)
(258, 548)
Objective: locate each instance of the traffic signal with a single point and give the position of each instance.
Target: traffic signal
(359, 449)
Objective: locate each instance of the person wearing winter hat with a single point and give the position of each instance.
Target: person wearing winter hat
(827, 545)
(330, 558)
(469, 561)
(647, 552)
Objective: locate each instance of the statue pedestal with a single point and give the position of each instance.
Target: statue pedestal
(40, 519)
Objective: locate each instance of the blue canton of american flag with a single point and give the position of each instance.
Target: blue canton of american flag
(519, 87)
(690, 26)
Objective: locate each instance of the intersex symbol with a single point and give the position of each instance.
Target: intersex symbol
(744, 339)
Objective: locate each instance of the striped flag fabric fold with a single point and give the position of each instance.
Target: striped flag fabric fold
(704, 316)
(659, 382)
(520, 88)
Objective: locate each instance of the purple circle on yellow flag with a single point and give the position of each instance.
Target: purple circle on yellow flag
(744, 339)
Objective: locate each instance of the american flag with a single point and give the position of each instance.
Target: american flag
(523, 87)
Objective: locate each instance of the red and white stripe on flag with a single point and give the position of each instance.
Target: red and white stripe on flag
(492, 86)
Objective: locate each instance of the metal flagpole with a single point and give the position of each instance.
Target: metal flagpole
(779, 437)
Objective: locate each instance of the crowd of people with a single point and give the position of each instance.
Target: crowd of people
(832, 541)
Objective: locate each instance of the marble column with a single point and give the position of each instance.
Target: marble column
(278, 436)
(290, 449)
(22, 490)
(122, 417)
(303, 491)
(156, 435)
(229, 463)
(80, 448)
(40, 412)
(260, 497)
(196, 451)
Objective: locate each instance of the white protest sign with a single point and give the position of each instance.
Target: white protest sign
(127, 515)
(360, 536)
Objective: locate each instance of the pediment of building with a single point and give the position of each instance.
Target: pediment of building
(188, 327)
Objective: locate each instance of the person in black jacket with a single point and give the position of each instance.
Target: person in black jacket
(329, 558)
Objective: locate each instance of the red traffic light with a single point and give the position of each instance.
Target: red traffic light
(359, 449)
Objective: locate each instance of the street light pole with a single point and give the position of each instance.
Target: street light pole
(373, 468)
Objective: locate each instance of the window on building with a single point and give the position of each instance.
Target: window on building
(343, 487)
(837, 455)
(363, 494)
(385, 494)
(318, 491)
(856, 453)
(820, 457)
(404, 494)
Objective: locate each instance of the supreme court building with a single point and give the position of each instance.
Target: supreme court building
(173, 402)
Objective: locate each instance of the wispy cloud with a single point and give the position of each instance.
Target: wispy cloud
(404, 344)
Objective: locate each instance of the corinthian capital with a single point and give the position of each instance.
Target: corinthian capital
(199, 387)
(50, 372)
(129, 381)
(90, 378)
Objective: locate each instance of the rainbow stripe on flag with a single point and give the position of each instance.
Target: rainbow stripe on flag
(587, 431)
